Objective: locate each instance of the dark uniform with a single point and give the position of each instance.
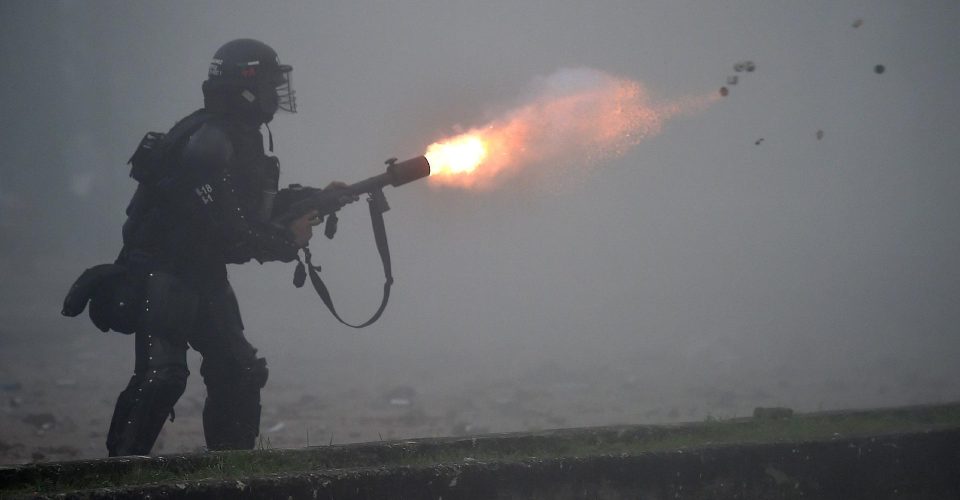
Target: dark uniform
(210, 208)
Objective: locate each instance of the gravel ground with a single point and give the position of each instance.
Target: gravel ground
(58, 388)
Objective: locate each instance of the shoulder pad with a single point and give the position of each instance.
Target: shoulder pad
(209, 145)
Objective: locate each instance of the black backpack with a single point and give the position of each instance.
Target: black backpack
(115, 294)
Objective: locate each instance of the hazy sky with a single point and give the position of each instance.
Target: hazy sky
(697, 248)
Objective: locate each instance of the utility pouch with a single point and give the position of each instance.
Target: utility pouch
(269, 184)
(146, 164)
(149, 163)
(114, 294)
(169, 307)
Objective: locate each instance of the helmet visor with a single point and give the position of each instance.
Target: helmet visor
(286, 97)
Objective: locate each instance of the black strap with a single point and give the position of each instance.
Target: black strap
(270, 134)
(380, 235)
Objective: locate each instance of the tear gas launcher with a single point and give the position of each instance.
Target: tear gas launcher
(295, 201)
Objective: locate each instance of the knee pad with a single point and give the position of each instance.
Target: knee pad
(219, 372)
(166, 382)
(143, 407)
(255, 374)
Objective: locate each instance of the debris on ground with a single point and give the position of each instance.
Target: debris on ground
(59, 451)
(467, 429)
(6, 447)
(11, 386)
(402, 395)
(772, 413)
(42, 421)
(879, 69)
(311, 401)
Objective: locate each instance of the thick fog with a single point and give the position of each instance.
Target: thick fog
(736, 259)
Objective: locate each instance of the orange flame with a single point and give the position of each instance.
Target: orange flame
(580, 118)
(459, 155)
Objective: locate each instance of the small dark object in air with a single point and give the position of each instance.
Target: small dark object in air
(747, 66)
(732, 80)
(758, 141)
(772, 413)
(724, 91)
(819, 134)
(858, 23)
(879, 69)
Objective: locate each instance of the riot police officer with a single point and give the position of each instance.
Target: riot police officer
(206, 205)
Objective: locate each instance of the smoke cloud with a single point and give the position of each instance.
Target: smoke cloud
(571, 121)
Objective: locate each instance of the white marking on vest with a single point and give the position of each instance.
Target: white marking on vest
(205, 192)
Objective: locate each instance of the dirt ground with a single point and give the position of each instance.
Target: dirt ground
(58, 388)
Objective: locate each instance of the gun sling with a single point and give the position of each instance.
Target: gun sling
(380, 235)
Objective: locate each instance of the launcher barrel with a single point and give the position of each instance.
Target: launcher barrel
(397, 174)
(298, 200)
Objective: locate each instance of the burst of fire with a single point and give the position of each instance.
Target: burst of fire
(460, 155)
(579, 118)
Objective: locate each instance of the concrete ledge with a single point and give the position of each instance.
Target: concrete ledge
(916, 465)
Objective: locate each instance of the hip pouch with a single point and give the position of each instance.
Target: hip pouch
(116, 298)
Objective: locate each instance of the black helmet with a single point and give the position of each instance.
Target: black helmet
(245, 77)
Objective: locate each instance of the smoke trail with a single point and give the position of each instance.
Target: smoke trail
(573, 120)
